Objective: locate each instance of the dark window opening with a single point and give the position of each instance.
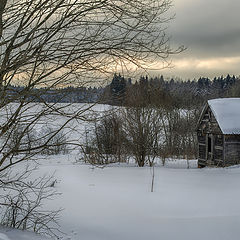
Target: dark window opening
(209, 144)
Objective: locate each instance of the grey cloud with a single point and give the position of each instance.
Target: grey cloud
(210, 29)
(207, 28)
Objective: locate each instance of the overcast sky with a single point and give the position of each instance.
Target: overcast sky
(210, 29)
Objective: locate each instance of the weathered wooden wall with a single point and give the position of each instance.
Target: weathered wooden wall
(209, 130)
(232, 149)
(218, 152)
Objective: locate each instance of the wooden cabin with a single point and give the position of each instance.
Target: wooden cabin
(218, 133)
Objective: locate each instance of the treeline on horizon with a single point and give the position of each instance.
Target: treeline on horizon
(169, 93)
(155, 91)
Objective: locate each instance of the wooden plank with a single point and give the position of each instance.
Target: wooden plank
(232, 138)
(206, 150)
(224, 150)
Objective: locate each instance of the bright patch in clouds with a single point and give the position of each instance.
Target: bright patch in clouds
(214, 63)
(208, 67)
(217, 63)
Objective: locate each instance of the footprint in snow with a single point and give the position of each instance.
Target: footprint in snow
(73, 232)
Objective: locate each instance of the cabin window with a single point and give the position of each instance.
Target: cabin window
(209, 144)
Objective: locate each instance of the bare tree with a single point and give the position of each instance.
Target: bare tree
(142, 126)
(56, 43)
(179, 134)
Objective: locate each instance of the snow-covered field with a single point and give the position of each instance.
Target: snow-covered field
(115, 202)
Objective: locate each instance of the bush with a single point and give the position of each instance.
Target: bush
(54, 142)
(107, 141)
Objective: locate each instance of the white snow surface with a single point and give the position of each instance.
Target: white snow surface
(227, 114)
(115, 202)
(13, 234)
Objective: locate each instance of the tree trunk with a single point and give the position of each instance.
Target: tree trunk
(2, 7)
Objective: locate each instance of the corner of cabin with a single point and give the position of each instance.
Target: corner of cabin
(218, 133)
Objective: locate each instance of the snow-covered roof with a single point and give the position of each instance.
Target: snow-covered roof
(227, 114)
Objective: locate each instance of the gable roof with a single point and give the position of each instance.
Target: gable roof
(227, 113)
